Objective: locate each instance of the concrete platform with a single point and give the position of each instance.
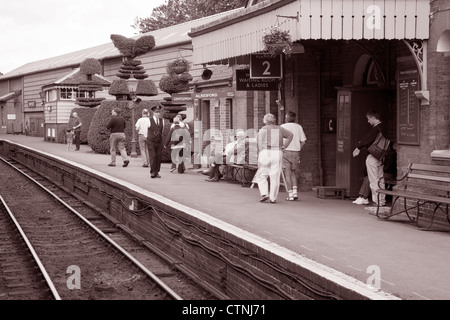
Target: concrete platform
(332, 232)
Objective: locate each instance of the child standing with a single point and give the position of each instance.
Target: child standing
(69, 138)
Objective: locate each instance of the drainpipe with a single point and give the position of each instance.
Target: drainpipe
(319, 118)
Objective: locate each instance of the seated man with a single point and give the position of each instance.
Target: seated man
(234, 153)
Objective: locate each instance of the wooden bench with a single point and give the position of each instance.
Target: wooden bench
(242, 173)
(422, 184)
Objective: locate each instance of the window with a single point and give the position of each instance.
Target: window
(67, 94)
(73, 93)
(50, 95)
(82, 94)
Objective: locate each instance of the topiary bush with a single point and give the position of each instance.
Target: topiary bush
(146, 88)
(131, 68)
(98, 136)
(90, 67)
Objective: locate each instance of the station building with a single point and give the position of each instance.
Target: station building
(347, 58)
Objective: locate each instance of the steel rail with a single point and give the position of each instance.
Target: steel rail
(150, 274)
(32, 251)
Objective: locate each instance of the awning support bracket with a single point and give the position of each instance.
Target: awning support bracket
(419, 50)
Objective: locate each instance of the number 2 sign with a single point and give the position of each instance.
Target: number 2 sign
(265, 66)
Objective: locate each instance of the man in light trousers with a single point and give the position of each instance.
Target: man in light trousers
(142, 125)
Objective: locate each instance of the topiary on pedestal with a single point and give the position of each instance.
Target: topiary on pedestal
(89, 67)
(176, 80)
(131, 68)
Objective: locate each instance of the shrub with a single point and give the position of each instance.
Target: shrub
(90, 66)
(171, 83)
(123, 44)
(98, 136)
(131, 48)
(143, 45)
(146, 88)
(118, 87)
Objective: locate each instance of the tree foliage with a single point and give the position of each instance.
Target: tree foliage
(178, 11)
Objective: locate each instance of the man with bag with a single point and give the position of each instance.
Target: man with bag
(374, 162)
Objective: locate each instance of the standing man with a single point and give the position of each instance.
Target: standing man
(154, 141)
(142, 126)
(272, 140)
(291, 155)
(77, 130)
(117, 138)
(374, 166)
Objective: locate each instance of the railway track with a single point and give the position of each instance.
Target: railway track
(23, 275)
(85, 255)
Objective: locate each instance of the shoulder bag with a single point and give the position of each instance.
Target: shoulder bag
(379, 147)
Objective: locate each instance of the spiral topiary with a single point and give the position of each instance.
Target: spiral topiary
(130, 67)
(89, 67)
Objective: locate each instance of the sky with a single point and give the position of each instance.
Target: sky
(32, 30)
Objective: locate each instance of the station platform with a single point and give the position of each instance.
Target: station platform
(334, 232)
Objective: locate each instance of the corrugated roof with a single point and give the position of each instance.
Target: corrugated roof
(163, 37)
(74, 78)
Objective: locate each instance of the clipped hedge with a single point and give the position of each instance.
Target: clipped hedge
(98, 136)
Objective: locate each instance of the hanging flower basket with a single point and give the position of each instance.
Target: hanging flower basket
(278, 48)
(178, 66)
(277, 42)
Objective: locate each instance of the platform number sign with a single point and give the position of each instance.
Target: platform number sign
(265, 66)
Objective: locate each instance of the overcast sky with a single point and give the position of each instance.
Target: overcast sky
(32, 30)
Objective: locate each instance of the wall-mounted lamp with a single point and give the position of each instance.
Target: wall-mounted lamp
(206, 74)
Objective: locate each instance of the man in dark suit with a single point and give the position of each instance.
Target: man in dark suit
(154, 141)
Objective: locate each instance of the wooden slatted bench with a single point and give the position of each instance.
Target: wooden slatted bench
(421, 185)
(242, 173)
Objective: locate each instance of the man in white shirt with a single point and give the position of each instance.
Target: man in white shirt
(142, 126)
(291, 155)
